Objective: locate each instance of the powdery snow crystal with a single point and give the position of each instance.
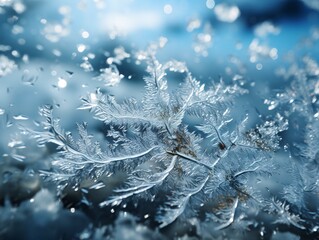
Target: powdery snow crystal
(110, 76)
(6, 66)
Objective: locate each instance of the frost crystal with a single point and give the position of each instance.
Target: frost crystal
(222, 152)
(110, 76)
(266, 136)
(86, 65)
(285, 216)
(6, 66)
(151, 141)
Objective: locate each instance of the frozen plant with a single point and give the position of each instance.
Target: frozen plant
(110, 76)
(180, 149)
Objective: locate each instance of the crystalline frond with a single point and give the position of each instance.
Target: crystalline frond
(142, 179)
(221, 92)
(208, 99)
(156, 97)
(302, 95)
(225, 217)
(308, 149)
(284, 214)
(189, 94)
(84, 150)
(176, 204)
(108, 110)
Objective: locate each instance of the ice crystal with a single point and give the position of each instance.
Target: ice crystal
(266, 136)
(185, 157)
(285, 216)
(86, 65)
(152, 142)
(110, 76)
(6, 66)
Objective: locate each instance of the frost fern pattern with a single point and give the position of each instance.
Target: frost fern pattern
(183, 142)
